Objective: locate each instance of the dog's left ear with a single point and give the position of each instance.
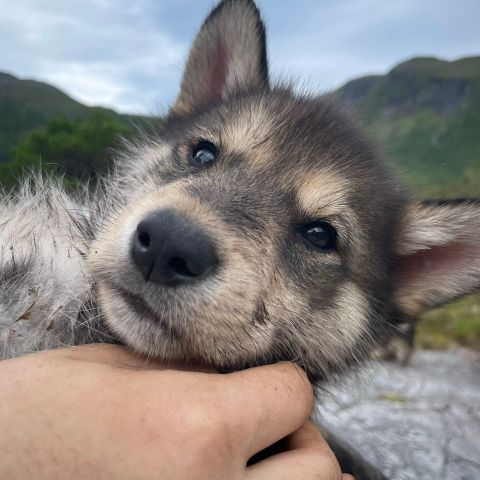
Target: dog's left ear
(228, 56)
(438, 254)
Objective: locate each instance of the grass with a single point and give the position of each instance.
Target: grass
(455, 325)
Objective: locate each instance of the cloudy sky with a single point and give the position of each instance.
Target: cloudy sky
(128, 54)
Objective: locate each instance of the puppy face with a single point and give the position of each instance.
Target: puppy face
(276, 203)
(254, 226)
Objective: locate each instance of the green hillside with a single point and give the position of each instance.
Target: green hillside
(426, 115)
(27, 105)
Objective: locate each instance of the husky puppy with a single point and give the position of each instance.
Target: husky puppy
(254, 225)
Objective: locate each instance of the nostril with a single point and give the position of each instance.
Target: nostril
(144, 239)
(180, 267)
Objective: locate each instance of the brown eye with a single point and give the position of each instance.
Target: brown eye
(204, 154)
(320, 234)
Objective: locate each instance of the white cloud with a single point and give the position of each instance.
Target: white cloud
(128, 54)
(97, 84)
(100, 51)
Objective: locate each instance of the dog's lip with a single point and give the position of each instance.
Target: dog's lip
(144, 311)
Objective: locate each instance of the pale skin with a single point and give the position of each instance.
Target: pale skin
(101, 412)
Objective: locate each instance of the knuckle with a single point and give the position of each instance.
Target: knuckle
(296, 379)
(304, 385)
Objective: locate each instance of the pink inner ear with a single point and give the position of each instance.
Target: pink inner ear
(438, 264)
(219, 70)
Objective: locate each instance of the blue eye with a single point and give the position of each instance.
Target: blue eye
(204, 154)
(320, 234)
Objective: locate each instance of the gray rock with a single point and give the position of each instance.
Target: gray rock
(416, 422)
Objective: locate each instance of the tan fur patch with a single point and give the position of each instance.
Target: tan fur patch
(331, 334)
(412, 302)
(324, 194)
(352, 311)
(248, 134)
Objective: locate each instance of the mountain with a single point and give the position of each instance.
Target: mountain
(426, 115)
(26, 105)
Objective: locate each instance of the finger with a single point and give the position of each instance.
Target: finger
(275, 400)
(308, 456)
(310, 437)
(296, 465)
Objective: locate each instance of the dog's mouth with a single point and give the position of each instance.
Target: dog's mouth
(143, 311)
(183, 324)
(175, 333)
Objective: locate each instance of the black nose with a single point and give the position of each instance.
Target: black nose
(169, 249)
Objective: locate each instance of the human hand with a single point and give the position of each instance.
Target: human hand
(101, 412)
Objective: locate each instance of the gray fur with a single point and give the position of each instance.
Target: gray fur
(46, 297)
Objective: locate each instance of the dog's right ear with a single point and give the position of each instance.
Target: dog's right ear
(438, 254)
(228, 56)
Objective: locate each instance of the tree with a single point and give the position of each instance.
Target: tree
(79, 149)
